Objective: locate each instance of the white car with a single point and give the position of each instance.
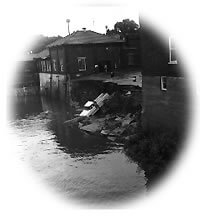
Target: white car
(91, 107)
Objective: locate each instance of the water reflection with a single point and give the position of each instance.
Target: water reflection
(72, 140)
(84, 167)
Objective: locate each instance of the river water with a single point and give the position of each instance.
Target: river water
(79, 166)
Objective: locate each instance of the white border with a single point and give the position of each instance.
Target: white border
(23, 195)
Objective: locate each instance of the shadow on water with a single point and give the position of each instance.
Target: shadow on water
(23, 106)
(70, 139)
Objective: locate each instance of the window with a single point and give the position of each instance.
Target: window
(54, 65)
(172, 51)
(39, 66)
(81, 63)
(48, 66)
(131, 59)
(163, 83)
(62, 68)
(61, 65)
(43, 66)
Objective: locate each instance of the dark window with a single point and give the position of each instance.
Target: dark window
(48, 63)
(61, 65)
(39, 66)
(54, 65)
(163, 81)
(43, 66)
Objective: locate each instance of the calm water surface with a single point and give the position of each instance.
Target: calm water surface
(80, 166)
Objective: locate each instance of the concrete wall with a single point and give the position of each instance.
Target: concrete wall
(165, 109)
(154, 51)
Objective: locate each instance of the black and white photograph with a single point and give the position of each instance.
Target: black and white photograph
(101, 107)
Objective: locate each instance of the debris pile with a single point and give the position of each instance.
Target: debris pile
(114, 127)
(114, 116)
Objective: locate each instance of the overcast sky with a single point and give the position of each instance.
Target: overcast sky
(92, 16)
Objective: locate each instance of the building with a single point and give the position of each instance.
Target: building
(81, 53)
(165, 91)
(26, 72)
(130, 55)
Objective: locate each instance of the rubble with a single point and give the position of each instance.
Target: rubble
(93, 127)
(109, 120)
(107, 133)
(115, 128)
(112, 138)
(128, 119)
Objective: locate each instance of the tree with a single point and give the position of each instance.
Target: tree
(123, 28)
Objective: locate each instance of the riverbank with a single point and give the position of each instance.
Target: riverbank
(119, 115)
(79, 167)
(154, 151)
(120, 121)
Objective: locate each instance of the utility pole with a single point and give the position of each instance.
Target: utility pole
(106, 26)
(93, 24)
(69, 97)
(68, 21)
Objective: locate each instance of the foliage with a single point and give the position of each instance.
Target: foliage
(123, 27)
(154, 151)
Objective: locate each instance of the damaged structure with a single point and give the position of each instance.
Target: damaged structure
(85, 53)
(76, 55)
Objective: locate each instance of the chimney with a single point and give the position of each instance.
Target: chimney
(84, 29)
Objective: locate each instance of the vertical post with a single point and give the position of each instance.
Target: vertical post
(51, 73)
(69, 88)
(68, 21)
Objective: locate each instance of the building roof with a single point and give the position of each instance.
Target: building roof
(85, 37)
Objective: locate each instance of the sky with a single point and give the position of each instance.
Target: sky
(91, 16)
